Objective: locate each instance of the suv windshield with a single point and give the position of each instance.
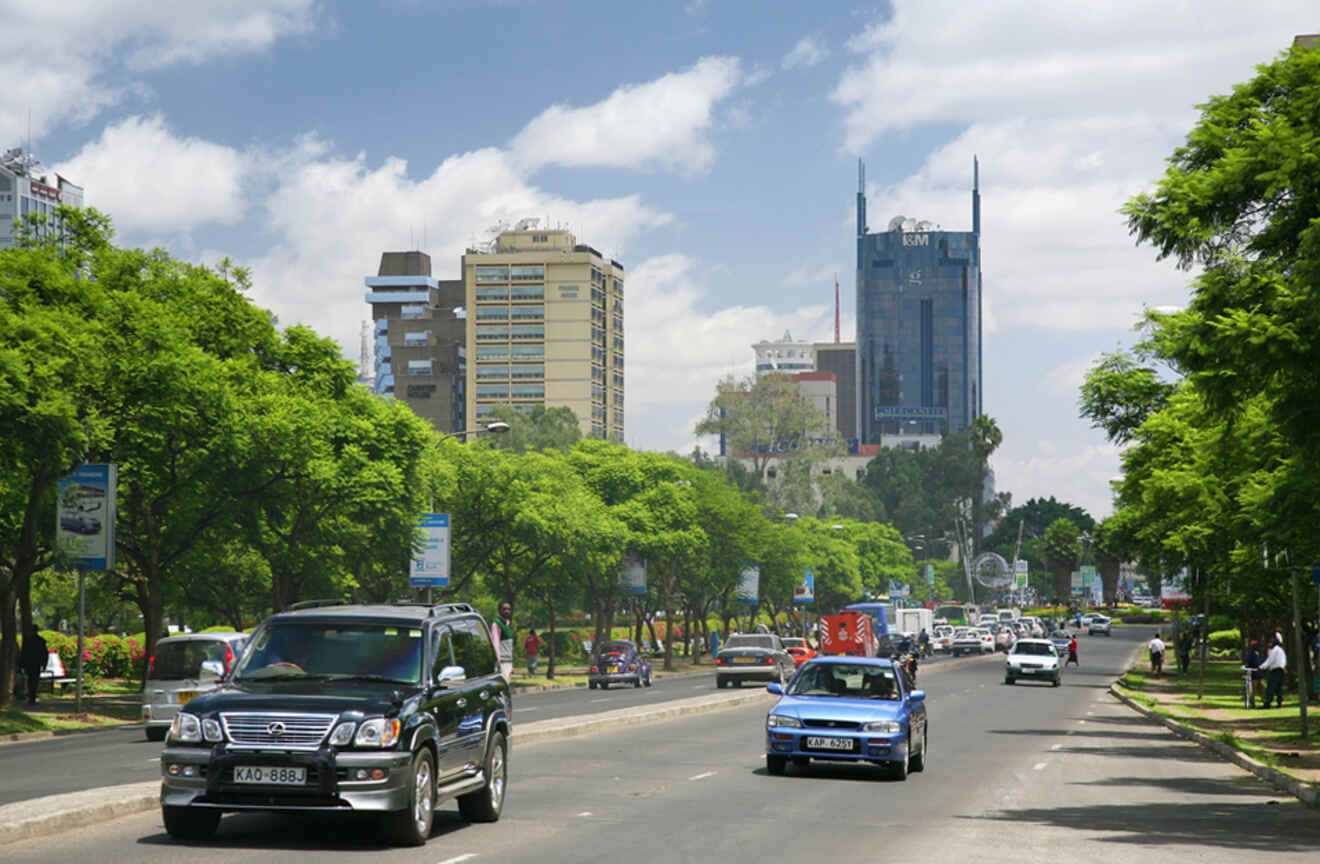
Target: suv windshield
(1032, 648)
(300, 649)
(766, 643)
(846, 680)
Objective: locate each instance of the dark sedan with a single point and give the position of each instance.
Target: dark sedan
(753, 657)
(619, 662)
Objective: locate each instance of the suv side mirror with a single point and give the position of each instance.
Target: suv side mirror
(212, 670)
(451, 675)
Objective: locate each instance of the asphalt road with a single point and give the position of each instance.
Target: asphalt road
(1016, 773)
(71, 763)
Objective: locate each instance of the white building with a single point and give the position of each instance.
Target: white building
(24, 189)
(785, 355)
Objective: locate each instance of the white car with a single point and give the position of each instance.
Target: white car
(1033, 659)
(1098, 624)
(942, 639)
(987, 640)
(968, 640)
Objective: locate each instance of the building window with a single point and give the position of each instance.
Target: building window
(528, 313)
(492, 391)
(492, 274)
(492, 370)
(485, 410)
(493, 352)
(417, 337)
(597, 295)
(540, 238)
(492, 292)
(618, 379)
(492, 313)
(421, 391)
(528, 352)
(618, 287)
(618, 322)
(492, 332)
(419, 367)
(529, 391)
(528, 273)
(527, 332)
(597, 392)
(597, 336)
(412, 310)
(528, 370)
(528, 292)
(618, 343)
(618, 397)
(618, 418)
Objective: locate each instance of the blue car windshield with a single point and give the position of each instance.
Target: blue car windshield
(846, 680)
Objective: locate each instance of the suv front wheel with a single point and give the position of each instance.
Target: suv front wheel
(486, 804)
(412, 826)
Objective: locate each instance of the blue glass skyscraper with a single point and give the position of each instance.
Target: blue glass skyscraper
(918, 325)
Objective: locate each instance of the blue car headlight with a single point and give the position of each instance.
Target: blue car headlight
(882, 726)
(782, 720)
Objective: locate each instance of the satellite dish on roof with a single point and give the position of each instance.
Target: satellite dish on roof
(896, 223)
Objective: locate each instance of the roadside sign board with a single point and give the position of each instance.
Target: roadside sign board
(632, 574)
(749, 585)
(1020, 572)
(430, 569)
(805, 592)
(85, 516)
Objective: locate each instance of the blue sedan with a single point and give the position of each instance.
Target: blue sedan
(847, 709)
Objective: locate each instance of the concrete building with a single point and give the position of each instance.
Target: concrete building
(840, 359)
(784, 355)
(918, 327)
(24, 189)
(420, 336)
(545, 326)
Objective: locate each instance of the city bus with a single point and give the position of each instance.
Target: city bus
(957, 614)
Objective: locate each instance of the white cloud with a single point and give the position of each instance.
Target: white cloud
(333, 216)
(152, 180)
(665, 122)
(677, 350)
(59, 56)
(1077, 474)
(1065, 380)
(806, 53)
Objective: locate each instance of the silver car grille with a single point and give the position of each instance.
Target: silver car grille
(280, 731)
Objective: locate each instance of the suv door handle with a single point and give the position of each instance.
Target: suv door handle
(462, 703)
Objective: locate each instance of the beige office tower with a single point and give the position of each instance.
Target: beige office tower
(545, 327)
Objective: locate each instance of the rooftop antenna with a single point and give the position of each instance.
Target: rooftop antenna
(836, 308)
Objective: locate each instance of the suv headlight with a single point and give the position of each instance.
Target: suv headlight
(343, 734)
(883, 726)
(211, 731)
(378, 732)
(186, 729)
(783, 720)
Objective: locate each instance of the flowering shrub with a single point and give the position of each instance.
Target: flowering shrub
(104, 656)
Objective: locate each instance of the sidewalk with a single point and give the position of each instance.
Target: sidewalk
(1269, 739)
(54, 714)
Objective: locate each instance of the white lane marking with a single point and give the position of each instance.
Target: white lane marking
(583, 813)
(1038, 766)
(468, 856)
(703, 776)
(701, 687)
(1081, 721)
(153, 758)
(1090, 713)
(524, 710)
(1055, 746)
(606, 699)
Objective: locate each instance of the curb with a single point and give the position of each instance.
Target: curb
(555, 730)
(43, 734)
(1305, 792)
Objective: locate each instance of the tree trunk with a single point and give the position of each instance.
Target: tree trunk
(8, 643)
(550, 657)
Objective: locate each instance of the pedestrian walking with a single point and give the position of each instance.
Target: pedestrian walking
(1252, 661)
(1156, 647)
(32, 658)
(501, 633)
(714, 642)
(532, 648)
(1072, 652)
(1185, 651)
(1275, 663)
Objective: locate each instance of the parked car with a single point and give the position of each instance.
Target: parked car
(388, 710)
(1099, 625)
(619, 662)
(174, 674)
(799, 648)
(1033, 659)
(845, 708)
(753, 657)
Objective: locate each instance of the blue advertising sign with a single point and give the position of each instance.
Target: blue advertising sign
(805, 592)
(85, 526)
(430, 569)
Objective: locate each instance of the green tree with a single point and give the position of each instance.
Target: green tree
(539, 429)
(1062, 552)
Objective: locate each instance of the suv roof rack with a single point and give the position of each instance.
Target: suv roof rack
(312, 604)
(435, 607)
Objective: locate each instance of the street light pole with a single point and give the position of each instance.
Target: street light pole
(496, 426)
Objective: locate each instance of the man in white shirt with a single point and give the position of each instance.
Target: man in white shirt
(1275, 662)
(1156, 647)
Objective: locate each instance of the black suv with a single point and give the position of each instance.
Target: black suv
(388, 709)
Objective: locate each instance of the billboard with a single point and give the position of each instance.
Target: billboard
(85, 516)
(1077, 584)
(632, 574)
(749, 585)
(430, 569)
(1021, 572)
(805, 592)
(1173, 588)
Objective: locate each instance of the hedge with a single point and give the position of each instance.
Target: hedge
(1226, 640)
(104, 656)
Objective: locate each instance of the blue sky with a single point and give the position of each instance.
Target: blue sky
(710, 146)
